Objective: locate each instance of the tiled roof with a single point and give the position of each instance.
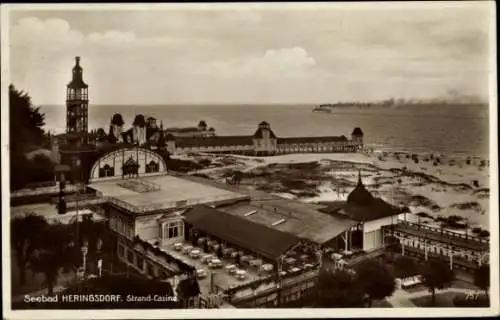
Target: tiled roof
(267, 242)
(377, 209)
(213, 141)
(311, 139)
(361, 205)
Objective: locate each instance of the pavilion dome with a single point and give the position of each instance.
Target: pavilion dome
(360, 196)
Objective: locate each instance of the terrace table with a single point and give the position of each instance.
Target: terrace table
(201, 273)
(227, 251)
(295, 269)
(187, 249)
(267, 267)
(195, 253)
(304, 257)
(256, 262)
(241, 274)
(215, 263)
(178, 246)
(336, 256)
(206, 258)
(231, 268)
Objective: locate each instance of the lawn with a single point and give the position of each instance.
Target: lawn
(444, 299)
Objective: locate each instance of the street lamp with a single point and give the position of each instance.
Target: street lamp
(84, 256)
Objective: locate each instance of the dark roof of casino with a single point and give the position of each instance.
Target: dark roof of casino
(361, 205)
(213, 141)
(258, 238)
(360, 196)
(312, 139)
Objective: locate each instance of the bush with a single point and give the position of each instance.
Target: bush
(483, 234)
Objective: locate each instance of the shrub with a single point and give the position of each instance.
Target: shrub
(483, 234)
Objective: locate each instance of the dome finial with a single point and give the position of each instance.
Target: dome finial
(359, 177)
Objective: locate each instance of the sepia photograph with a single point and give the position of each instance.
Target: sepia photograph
(256, 159)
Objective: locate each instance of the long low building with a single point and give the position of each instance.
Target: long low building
(264, 142)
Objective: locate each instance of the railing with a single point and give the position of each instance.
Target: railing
(286, 284)
(287, 280)
(445, 232)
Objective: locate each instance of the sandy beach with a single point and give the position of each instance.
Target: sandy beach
(452, 191)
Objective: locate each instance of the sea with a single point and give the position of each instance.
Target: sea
(446, 129)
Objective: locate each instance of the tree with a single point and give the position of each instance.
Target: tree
(482, 278)
(41, 169)
(26, 121)
(337, 289)
(24, 235)
(376, 279)
(188, 288)
(436, 275)
(237, 177)
(56, 252)
(26, 131)
(405, 266)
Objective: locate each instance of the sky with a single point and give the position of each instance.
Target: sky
(246, 54)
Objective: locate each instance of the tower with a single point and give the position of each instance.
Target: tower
(357, 137)
(77, 102)
(76, 150)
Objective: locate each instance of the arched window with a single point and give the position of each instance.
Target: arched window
(106, 171)
(152, 167)
(130, 168)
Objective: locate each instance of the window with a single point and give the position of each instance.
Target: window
(152, 167)
(173, 230)
(130, 256)
(121, 251)
(140, 262)
(106, 171)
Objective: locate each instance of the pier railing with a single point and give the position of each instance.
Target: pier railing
(445, 232)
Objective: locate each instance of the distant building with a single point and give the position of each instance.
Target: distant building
(200, 131)
(265, 142)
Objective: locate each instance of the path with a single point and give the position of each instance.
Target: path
(401, 298)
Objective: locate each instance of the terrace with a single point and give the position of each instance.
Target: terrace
(143, 198)
(224, 277)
